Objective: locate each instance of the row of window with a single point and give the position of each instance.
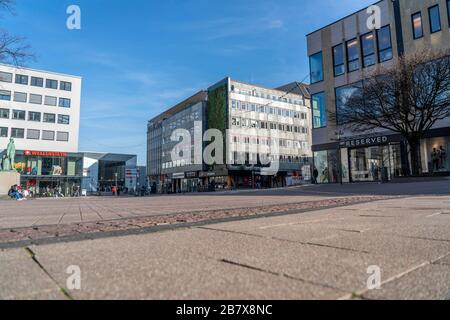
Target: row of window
(247, 123)
(23, 97)
(34, 116)
(32, 134)
(252, 107)
(35, 81)
(368, 48)
(270, 142)
(255, 93)
(434, 18)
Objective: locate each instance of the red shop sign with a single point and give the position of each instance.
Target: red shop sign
(45, 153)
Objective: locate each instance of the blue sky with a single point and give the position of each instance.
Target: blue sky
(140, 57)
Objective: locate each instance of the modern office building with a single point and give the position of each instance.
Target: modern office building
(40, 110)
(253, 120)
(339, 53)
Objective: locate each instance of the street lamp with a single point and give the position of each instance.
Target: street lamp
(339, 135)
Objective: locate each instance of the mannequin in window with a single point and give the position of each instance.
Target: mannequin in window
(442, 157)
(435, 160)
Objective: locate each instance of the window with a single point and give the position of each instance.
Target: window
(51, 84)
(5, 95)
(18, 115)
(21, 79)
(316, 67)
(64, 103)
(33, 134)
(63, 119)
(48, 135)
(50, 101)
(338, 60)
(343, 96)
(34, 116)
(49, 118)
(417, 25)
(448, 12)
(368, 49)
(3, 132)
(35, 98)
(66, 86)
(319, 110)
(435, 19)
(384, 44)
(17, 133)
(20, 97)
(352, 55)
(6, 77)
(62, 136)
(37, 82)
(4, 113)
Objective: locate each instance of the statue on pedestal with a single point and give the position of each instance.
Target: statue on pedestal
(7, 161)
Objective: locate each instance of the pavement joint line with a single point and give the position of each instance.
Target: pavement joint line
(419, 238)
(39, 264)
(275, 273)
(169, 227)
(396, 277)
(284, 240)
(434, 214)
(299, 223)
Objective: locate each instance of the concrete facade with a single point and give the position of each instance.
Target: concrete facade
(43, 106)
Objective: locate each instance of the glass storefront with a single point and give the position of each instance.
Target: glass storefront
(434, 155)
(327, 165)
(377, 163)
(49, 174)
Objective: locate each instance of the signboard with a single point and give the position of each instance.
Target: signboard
(362, 142)
(45, 153)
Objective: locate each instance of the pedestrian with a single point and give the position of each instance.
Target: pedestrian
(315, 175)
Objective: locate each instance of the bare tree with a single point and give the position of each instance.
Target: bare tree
(407, 97)
(13, 49)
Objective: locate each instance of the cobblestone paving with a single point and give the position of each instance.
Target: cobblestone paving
(138, 223)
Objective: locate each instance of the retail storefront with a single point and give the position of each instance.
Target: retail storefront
(50, 173)
(380, 158)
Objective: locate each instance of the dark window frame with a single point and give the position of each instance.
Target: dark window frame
(21, 112)
(380, 51)
(349, 62)
(374, 53)
(33, 113)
(334, 60)
(50, 81)
(1, 135)
(439, 17)
(6, 95)
(22, 76)
(310, 69)
(15, 136)
(65, 85)
(49, 114)
(37, 79)
(8, 111)
(419, 13)
(448, 12)
(61, 104)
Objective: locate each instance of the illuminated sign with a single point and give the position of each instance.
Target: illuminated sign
(45, 154)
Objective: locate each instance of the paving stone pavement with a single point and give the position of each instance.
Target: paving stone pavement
(322, 254)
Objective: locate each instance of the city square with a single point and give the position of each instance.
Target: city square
(320, 252)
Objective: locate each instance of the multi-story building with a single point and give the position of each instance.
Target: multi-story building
(339, 55)
(252, 120)
(40, 111)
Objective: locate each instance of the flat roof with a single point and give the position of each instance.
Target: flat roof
(38, 70)
(349, 15)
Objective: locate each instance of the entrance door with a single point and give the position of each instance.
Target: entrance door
(370, 164)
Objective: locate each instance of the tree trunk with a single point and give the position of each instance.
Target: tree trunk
(415, 158)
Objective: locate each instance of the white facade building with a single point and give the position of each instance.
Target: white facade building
(40, 110)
